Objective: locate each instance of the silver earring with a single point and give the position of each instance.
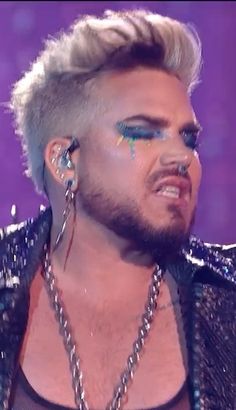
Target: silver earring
(65, 162)
(182, 170)
(70, 202)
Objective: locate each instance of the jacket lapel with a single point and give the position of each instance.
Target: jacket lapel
(208, 300)
(206, 282)
(21, 250)
(212, 350)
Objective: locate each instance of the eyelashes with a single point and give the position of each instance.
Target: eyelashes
(135, 133)
(191, 139)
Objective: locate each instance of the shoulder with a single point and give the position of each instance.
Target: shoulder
(21, 247)
(220, 259)
(228, 251)
(30, 226)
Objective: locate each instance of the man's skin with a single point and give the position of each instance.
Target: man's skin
(105, 284)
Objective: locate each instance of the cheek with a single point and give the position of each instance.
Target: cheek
(195, 172)
(109, 165)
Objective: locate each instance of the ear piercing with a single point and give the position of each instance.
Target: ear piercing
(55, 160)
(63, 159)
(56, 152)
(58, 172)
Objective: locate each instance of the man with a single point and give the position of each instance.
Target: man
(146, 312)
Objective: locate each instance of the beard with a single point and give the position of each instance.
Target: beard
(125, 219)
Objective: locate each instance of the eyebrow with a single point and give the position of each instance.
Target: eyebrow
(162, 122)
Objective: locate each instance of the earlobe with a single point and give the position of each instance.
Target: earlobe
(72, 183)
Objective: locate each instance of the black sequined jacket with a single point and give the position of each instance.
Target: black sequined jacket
(206, 280)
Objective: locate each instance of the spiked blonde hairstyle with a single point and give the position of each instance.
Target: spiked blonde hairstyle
(53, 97)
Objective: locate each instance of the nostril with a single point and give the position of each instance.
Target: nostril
(182, 169)
(175, 158)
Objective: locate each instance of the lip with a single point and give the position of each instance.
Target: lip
(182, 184)
(182, 203)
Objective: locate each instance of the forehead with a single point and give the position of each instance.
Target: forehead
(145, 91)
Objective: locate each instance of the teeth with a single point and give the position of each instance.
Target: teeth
(169, 191)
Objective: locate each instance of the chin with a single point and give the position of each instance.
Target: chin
(172, 222)
(180, 218)
(168, 238)
(168, 243)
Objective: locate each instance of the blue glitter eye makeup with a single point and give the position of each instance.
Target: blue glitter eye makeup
(191, 139)
(133, 133)
(138, 132)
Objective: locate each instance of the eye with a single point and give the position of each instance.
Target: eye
(137, 132)
(191, 139)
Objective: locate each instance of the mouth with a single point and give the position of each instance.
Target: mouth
(174, 188)
(169, 192)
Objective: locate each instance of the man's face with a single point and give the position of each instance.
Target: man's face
(128, 178)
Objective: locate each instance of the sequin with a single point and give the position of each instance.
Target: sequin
(208, 310)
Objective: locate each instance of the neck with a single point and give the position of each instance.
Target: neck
(101, 265)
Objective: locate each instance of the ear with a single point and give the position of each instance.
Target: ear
(62, 165)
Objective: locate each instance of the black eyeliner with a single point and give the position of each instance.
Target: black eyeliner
(136, 132)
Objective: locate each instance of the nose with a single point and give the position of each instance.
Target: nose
(176, 158)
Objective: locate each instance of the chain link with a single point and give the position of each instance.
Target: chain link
(70, 345)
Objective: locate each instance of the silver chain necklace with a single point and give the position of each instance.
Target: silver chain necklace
(70, 345)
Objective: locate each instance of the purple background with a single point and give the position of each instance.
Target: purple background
(24, 25)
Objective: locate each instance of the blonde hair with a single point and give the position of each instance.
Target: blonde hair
(52, 97)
